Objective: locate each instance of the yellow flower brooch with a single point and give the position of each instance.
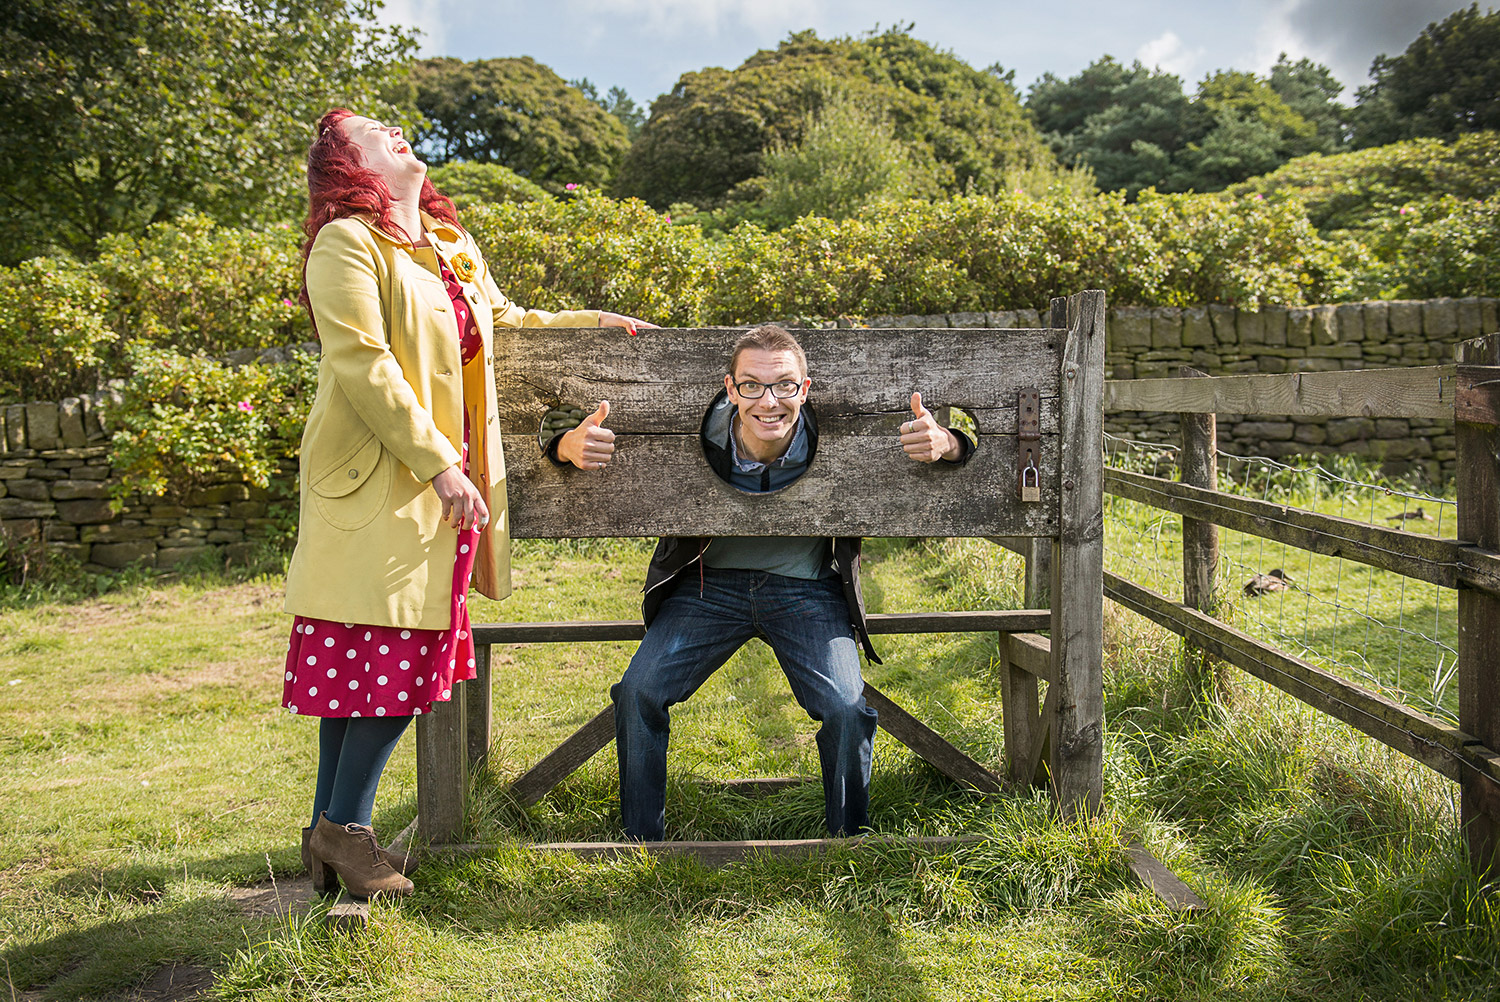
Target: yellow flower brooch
(464, 267)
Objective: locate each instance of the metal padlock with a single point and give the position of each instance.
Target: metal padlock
(1031, 486)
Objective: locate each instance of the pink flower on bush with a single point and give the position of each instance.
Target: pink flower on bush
(246, 406)
(1404, 210)
(571, 186)
(287, 302)
(669, 219)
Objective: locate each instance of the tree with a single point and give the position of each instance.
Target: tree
(1446, 83)
(1126, 123)
(617, 102)
(1245, 128)
(848, 157)
(711, 131)
(1310, 89)
(115, 114)
(517, 113)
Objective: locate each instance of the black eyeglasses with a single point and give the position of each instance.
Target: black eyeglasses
(751, 390)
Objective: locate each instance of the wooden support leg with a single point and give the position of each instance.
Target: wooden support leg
(1018, 702)
(442, 771)
(1077, 746)
(477, 707)
(541, 778)
(930, 745)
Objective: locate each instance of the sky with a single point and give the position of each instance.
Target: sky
(645, 45)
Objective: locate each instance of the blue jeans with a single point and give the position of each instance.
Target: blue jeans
(806, 624)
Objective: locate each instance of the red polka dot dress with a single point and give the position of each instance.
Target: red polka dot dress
(356, 670)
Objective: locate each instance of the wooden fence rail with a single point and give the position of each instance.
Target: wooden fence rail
(1468, 393)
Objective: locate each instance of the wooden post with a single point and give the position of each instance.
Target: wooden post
(1038, 572)
(1479, 612)
(477, 707)
(1200, 540)
(442, 771)
(1077, 746)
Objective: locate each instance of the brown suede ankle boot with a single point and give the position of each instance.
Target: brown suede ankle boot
(400, 862)
(351, 852)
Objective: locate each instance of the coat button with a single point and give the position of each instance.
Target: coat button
(353, 474)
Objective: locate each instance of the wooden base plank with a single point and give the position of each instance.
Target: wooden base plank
(348, 913)
(1161, 881)
(715, 853)
(931, 745)
(540, 779)
(754, 788)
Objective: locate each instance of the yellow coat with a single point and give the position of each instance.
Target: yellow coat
(388, 417)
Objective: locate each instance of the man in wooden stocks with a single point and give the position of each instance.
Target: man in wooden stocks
(800, 594)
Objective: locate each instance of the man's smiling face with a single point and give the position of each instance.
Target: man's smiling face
(765, 424)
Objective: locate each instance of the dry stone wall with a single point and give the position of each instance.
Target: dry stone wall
(56, 482)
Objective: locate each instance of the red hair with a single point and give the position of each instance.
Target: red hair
(340, 185)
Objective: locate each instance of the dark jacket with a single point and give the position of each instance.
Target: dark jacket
(674, 555)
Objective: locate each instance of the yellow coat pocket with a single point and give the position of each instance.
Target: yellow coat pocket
(353, 492)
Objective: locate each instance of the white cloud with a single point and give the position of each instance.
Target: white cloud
(1167, 52)
(677, 18)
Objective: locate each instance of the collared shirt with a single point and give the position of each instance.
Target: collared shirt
(807, 557)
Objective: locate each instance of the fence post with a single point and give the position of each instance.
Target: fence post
(1038, 572)
(1199, 466)
(1479, 612)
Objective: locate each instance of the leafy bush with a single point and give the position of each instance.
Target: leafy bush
(198, 286)
(54, 328)
(186, 420)
(1357, 191)
(470, 184)
(589, 251)
(1446, 247)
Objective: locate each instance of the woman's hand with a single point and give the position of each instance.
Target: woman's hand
(590, 446)
(620, 320)
(463, 505)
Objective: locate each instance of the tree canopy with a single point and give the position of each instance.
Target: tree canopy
(1136, 128)
(517, 113)
(1446, 83)
(964, 127)
(115, 114)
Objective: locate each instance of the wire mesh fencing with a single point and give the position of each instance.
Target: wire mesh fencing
(1393, 634)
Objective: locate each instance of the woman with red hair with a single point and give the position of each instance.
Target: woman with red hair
(402, 479)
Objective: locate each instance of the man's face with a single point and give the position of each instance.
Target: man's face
(766, 422)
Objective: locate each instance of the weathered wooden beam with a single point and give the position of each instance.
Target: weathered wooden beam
(1161, 881)
(855, 486)
(930, 745)
(1077, 725)
(754, 788)
(1423, 557)
(1478, 440)
(442, 770)
(1446, 750)
(718, 853)
(662, 381)
(536, 782)
(973, 621)
(1020, 715)
(1412, 392)
(1478, 394)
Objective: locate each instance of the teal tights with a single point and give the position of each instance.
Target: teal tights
(352, 752)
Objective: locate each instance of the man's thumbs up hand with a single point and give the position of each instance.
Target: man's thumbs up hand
(590, 446)
(923, 439)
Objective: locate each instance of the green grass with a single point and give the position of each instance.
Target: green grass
(145, 768)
